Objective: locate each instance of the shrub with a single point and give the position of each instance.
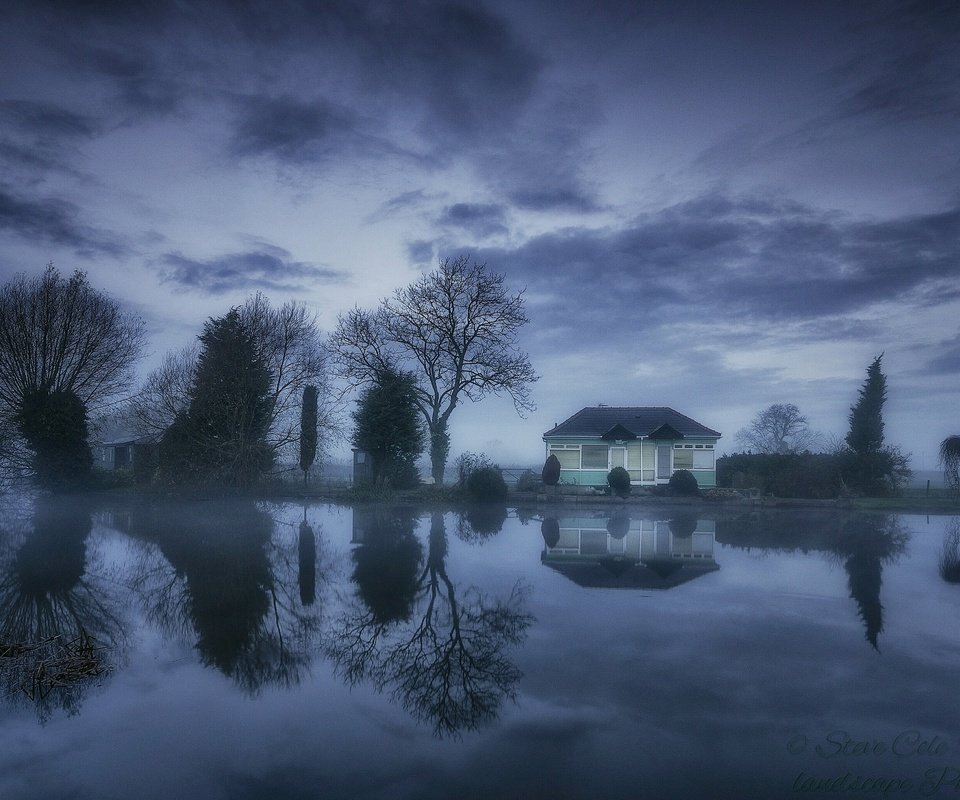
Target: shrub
(683, 483)
(486, 485)
(619, 480)
(550, 530)
(468, 463)
(527, 482)
(551, 471)
(809, 475)
(481, 521)
(618, 525)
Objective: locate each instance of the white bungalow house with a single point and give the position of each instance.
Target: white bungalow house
(650, 442)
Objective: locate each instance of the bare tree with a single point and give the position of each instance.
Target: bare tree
(779, 428)
(456, 330)
(165, 392)
(60, 337)
(447, 661)
(293, 350)
(291, 346)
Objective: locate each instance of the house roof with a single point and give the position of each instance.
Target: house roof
(637, 420)
(610, 573)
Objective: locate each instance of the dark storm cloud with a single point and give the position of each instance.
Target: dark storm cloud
(414, 200)
(54, 221)
(421, 252)
(431, 81)
(41, 137)
(908, 68)
(946, 361)
(739, 260)
(480, 219)
(463, 65)
(143, 85)
(266, 267)
(570, 198)
(542, 167)
(289, 130)
(46, 119)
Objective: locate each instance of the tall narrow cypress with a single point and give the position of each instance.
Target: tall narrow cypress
(866, 416)
(308, 430)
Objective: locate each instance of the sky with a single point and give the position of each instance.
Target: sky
(709, 206)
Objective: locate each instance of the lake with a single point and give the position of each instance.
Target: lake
(240, 649)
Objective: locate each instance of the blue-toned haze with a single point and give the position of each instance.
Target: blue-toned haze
(711, 206)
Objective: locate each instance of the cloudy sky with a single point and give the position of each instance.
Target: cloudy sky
(713, 206)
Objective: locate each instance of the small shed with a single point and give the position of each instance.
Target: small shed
(362, 467)
(139, 454)
(117, 454)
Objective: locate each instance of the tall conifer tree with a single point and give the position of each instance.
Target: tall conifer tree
(866, 416)
(387, 426)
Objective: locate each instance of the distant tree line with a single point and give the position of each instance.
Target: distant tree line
(785, 466)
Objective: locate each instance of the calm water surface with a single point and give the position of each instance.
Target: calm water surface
(262, 650)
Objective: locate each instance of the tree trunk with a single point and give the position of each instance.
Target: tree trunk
(439, 449)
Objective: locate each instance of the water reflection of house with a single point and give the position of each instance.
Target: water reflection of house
(631, 553)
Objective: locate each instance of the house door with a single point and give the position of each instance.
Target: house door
(664, 461)
(618, 457)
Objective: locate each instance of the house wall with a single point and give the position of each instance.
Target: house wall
(578, 468)
(644, 539)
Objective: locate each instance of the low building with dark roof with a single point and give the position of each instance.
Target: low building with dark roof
(650, 442)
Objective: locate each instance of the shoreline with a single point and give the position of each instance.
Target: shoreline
(448, 498)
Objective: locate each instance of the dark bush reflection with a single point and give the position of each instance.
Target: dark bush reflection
(61, 627)
(211, 578)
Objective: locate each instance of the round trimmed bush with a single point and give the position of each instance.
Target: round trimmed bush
(683, 483)
(550, 530)
(486, 484)
(619, 480)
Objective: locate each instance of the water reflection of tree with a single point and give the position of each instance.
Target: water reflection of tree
(949, 562)
(479, 521)
(867, 542)
(862, 542)
(447, 663)
(207, 573)
(54, 607)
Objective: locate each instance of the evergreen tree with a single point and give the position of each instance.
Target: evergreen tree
(866, 416)
(308, 430)
(870, 467)
(387, 426)
(221, 437)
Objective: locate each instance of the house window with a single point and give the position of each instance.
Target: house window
(594, 456)
(693, 456)
(568, 458)
(703, 459)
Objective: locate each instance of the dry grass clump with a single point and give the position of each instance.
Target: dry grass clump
(53, 663)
